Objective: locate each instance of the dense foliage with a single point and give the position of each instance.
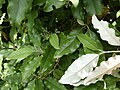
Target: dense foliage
(41, 38)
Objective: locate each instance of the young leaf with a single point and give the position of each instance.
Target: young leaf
(75, 2)
(106, 33)
(52, 84)
(20, 53)
(30, 67)
(106, 67)
(79, 69)
(54, 41)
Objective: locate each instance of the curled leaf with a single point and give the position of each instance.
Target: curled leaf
(106, 33)
(106, 67)
(79, 69)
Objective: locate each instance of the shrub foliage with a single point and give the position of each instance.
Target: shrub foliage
(39, 40)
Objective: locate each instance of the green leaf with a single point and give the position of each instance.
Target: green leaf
(31, 16)
(78, 11)
(1, 84)
(39, 85)
(30, 86)
(111, 82)
(93, 6)
(54, 41)
(89, 42)
(1, 2)
(52, 84)
(63, 39)
(14, 88)
(38, 2)
(35, 38)
(14, 79)
(30, 67)
(50, 3)
(1, 60)
(5, 87)
(21, 53)
(70, 45)
(57, 73)
(17, 10)
(48, 59)
(33, 33)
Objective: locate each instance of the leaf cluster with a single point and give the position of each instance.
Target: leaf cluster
(40, 39)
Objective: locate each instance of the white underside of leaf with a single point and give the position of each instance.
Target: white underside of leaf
(106, 33)
(79, 69)
(106, 67)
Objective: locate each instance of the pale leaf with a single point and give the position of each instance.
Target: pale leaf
(79, 69)
(106, 67)
(1, 19)
(106, 33)
(75, 2)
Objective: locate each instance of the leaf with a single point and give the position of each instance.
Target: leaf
(106, 67)
(93, 6)
(88, 42)
(31, 16)
(33, 33)
(1, 60)
(57, 73)
(39, 85)
(50, 3)
(30, 67)
(30, 86)
(106, 33)
(78, 13)
(97, 86)
(38, 2)
(1, 19)
(63, 39)
(13, 88)
(70, 45)
(20, 53)
(54, 41)
(75, 2)
(14, 78)
(118, 14)
(79, 69)
(17, 10)
(52, 84)
(6, 87)
(1, 2)
(111, 82)
(35, 38)
(48, 59)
